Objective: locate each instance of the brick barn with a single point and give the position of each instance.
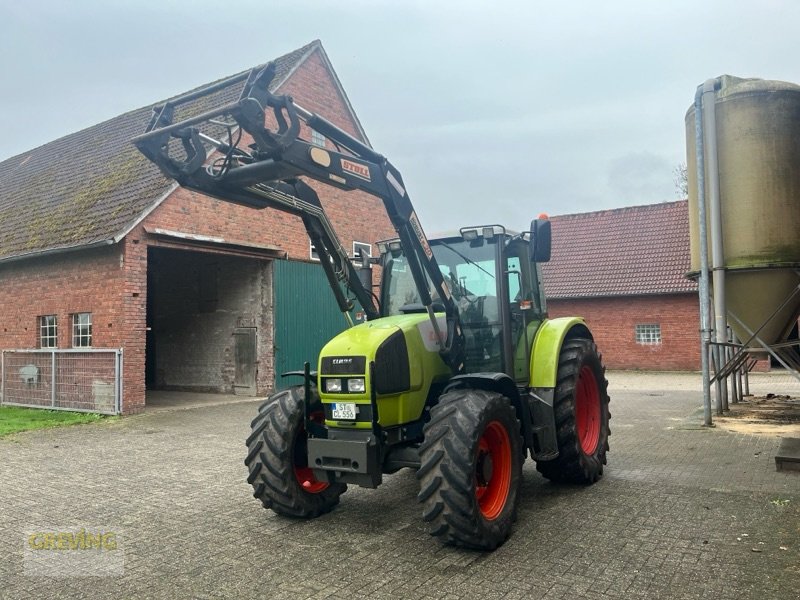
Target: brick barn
(624, 271)
(98, 250)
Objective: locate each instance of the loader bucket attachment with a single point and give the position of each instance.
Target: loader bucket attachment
(180, 147)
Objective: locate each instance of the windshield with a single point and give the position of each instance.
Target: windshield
(469, 270)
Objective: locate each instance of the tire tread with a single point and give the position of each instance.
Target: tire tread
(446, 474)
(270, 455)
(573, 465)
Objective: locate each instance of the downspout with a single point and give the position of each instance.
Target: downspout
(705, 316)
(717, 256)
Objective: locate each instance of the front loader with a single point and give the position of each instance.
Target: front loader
(457, 372)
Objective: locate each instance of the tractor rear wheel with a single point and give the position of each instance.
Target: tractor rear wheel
(471, 465)
(581, 414)
(277, 458)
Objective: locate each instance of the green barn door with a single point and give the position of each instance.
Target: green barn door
(306, 317)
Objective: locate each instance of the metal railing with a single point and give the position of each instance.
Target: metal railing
(76, 379)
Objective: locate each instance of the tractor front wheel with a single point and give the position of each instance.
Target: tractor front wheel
(581, 414)
(471, 464)
(277, 458)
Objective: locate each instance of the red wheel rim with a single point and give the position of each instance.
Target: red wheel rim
(309, 483)
(493, 470)
(305, 475)
(587, 410)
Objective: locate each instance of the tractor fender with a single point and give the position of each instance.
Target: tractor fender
(496, 382)
(502, 384)
(547, 346)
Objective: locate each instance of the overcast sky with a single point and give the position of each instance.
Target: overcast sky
(493, 111)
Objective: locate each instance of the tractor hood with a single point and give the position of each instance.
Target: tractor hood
(397, 357)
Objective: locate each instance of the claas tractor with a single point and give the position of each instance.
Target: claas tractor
(457, 372)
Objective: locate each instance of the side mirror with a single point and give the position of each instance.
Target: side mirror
(541, 240)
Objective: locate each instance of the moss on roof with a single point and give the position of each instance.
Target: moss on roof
(92, 185)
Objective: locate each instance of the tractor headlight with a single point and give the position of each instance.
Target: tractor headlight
(356, 385)
(333, 385)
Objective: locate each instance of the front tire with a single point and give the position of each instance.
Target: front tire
(277, 458)
(471, 465)
(581, 414)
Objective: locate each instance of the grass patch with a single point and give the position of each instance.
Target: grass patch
(14, 419)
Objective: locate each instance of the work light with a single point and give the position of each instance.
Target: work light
(356, 385)
(333, 385)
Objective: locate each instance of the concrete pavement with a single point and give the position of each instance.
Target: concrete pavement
(682, 512)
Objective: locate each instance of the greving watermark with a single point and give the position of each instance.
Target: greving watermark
(73, 552)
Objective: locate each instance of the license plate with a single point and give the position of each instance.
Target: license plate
(344, 411)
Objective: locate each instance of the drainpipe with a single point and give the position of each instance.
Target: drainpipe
(717, 256)
(705, 316)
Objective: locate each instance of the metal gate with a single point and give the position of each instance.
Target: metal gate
(306, 317)
(81, 379)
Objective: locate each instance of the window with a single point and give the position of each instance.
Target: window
(315, 255)
(514, 278)
(317, 138)
(48, 331)
(364, 248)
(648, 334)
(81, 330)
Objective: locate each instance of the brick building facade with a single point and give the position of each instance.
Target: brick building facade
(613, 322)
(623, 270)
(91, 230)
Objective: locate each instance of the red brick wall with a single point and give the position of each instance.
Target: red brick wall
(134, 306)
(613, 321)
(91, 281)
(355, 215)
(86, 281)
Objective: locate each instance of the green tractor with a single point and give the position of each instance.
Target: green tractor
(457, 372)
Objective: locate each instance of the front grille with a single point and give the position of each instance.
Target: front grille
(344, 365)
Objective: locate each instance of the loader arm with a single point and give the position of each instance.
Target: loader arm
(264, 174)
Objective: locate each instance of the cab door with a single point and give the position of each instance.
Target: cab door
(524, 314)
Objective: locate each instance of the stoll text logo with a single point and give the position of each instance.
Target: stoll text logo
(73, 552)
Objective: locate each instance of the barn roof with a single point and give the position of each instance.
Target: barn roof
(632, 251)
(93, 186)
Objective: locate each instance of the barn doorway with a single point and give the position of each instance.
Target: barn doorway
(207, 317)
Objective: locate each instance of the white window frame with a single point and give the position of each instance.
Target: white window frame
(82, 330)
(364, 246)
(648, 334)
(48, 331)
(317, 139)
(312, 251)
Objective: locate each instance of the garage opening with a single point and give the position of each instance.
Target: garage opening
(207, 321)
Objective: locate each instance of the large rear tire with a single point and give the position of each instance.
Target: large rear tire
(277, 458)
(471, 464)
(581, 414)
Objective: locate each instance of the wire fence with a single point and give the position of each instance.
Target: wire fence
(777, 382)
(83, 380)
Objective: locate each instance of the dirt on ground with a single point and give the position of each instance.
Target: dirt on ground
(766, 415)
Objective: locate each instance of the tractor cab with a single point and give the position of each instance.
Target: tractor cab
(495, 281)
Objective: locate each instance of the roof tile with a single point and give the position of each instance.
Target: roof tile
(632, 251)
